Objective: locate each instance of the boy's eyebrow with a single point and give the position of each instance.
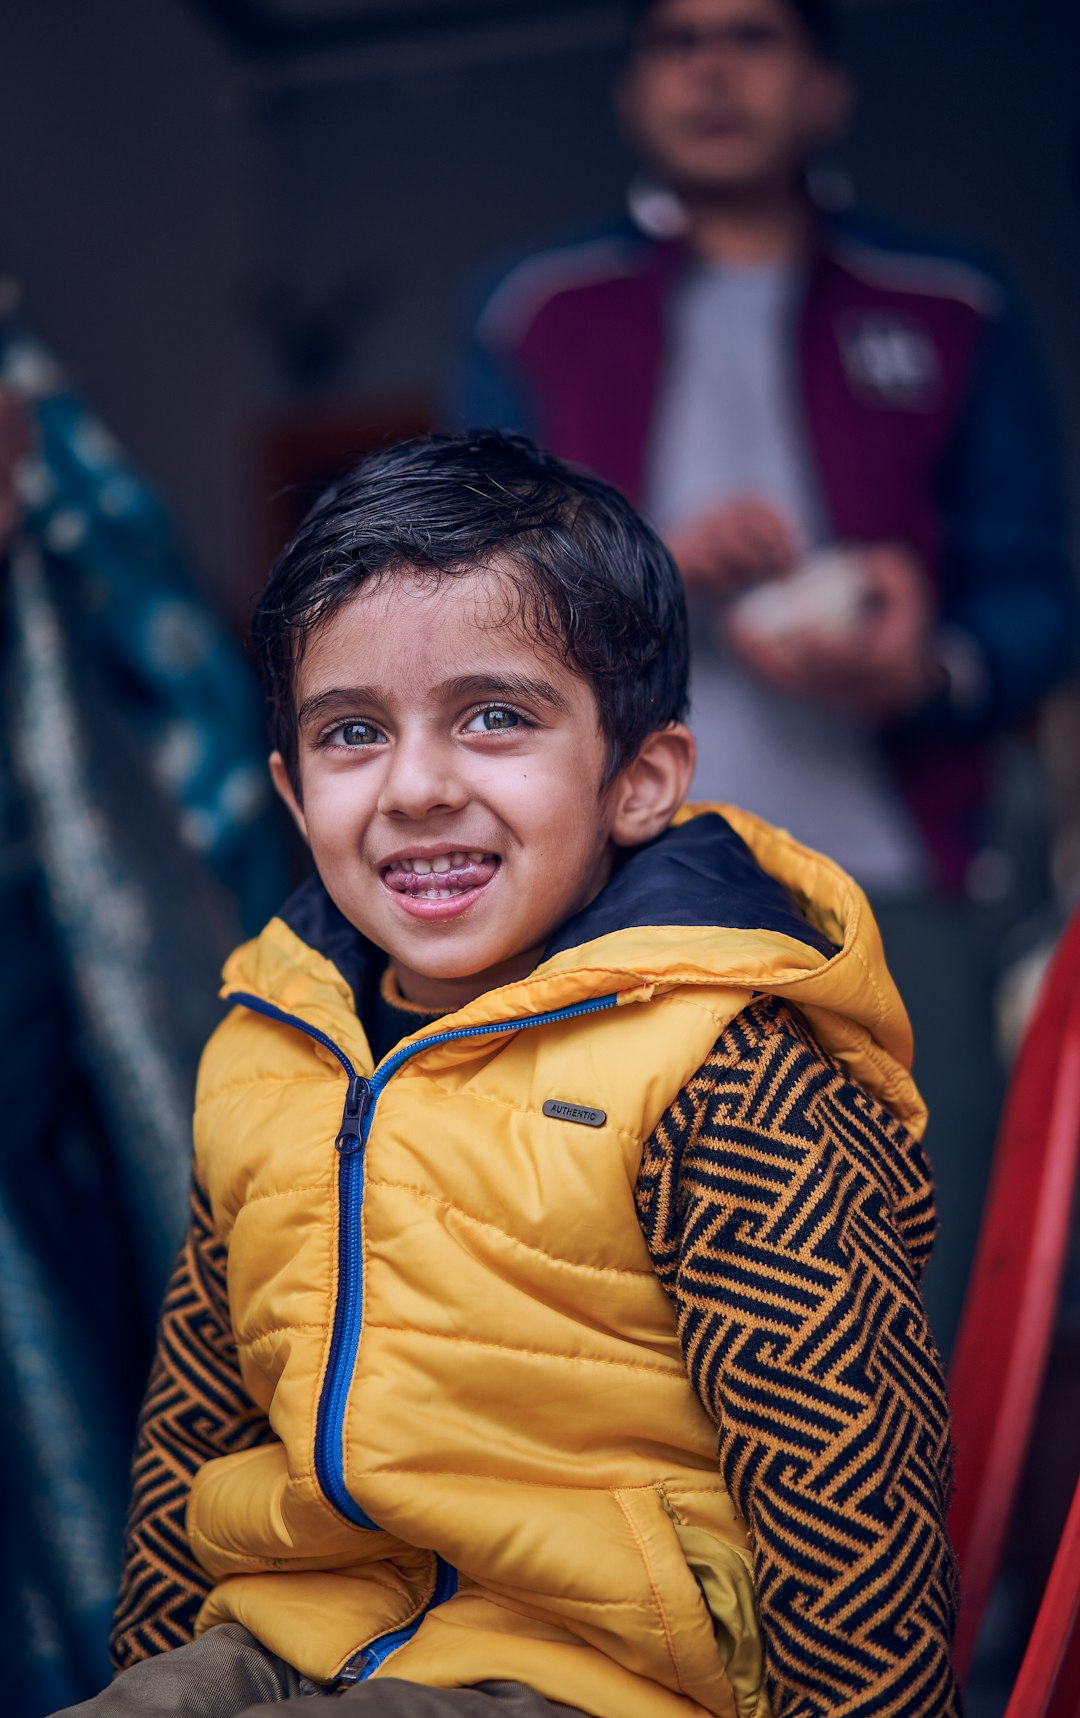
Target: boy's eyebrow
(504, 686)
(334, 696)
(465, 686)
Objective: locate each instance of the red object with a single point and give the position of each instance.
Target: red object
(1048, 1685)
(1001, 1351)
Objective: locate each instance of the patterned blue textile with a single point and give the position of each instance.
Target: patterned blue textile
(135, 847)
(172, 665)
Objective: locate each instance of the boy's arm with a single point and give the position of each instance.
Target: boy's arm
(789, 1216)
(196, 1408)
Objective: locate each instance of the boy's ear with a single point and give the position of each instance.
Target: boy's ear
(648, 791)
(279, 775)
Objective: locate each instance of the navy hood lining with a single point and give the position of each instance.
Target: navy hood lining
(699, 874)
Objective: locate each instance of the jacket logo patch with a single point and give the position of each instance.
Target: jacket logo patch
(890, 362)
(559, 1110)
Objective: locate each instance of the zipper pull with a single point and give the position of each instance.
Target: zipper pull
(357, 1104)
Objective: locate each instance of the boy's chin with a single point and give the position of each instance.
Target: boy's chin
(455, 979)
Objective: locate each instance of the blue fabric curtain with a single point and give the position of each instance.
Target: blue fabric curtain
(136, 843)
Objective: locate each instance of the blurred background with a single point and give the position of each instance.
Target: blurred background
(252, 227)
(256, 233)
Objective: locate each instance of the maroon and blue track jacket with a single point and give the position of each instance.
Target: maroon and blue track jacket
(926, 420)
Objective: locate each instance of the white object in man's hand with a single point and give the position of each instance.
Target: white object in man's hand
(826, 595)
(881, 664)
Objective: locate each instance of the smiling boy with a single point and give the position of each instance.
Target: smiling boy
(547, 1339)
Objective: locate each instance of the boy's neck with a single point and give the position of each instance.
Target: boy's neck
(436, 995)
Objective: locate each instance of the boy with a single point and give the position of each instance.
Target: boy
(440, 1404)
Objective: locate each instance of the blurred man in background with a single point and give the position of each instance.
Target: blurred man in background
(843, 437)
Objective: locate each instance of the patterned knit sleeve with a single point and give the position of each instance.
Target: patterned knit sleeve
(789, 1217)
(196, 1408)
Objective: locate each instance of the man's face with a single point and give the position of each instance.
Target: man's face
(728, 96)
(450, 775)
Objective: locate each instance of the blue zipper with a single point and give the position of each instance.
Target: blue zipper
(361, 1097)
(371, 1657)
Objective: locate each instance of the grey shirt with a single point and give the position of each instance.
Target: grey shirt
(729, 425)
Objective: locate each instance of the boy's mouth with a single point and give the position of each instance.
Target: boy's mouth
(442, 877)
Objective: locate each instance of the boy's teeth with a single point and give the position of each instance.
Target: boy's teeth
(445, 862)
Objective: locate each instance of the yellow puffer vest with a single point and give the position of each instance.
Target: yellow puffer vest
(491, 1463)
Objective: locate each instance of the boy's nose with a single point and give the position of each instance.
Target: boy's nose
(421, 780)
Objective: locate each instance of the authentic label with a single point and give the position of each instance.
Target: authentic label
(559, 1110)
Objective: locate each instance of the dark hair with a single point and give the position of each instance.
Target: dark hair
(817, 17)
(591, 578)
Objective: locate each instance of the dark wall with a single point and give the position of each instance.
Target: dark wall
(969, 125)
(419, 180)
(122, 214)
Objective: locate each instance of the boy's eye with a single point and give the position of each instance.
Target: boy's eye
(493, 721)
(353, 734)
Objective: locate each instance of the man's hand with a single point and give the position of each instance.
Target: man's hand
(16, 440)
(723, 551)
(883, 667)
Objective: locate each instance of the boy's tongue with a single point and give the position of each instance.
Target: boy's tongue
(465, 874)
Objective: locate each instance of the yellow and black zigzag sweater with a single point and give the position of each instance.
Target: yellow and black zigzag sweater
(790, 1217)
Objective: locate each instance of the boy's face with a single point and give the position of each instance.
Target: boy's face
(450, 774)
